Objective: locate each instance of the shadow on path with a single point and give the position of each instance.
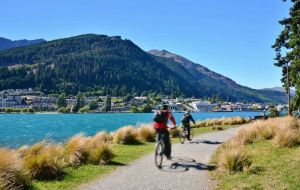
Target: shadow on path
(181, 164)
(206, 142)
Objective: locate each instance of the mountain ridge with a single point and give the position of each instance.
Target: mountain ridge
(7, 43)
(116, 66)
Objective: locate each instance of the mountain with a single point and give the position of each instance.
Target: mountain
(280, 89)
(194, 68)
(6, 43)
(220, 82)
(104, 64)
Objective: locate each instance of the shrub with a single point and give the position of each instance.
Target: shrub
(147, 133)
(101, 154)
(232, 159)
(286, 136)
(174, 132)
(30, 110)
(24, 110)
(23, 150)
(45, 161)
(85, 109)
(126, 135)
(101, 138)
(76, 150)
(12, 176)
(64, 110)
(274, 113)
(200, 124)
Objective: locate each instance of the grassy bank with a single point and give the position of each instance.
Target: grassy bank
(263, 155)
(125, 154)
(81, 158)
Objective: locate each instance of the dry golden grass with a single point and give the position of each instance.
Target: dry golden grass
(23, 150)
(101, 154)
(284, 132)
(221, 121)
(174, 133)
(45, 161)
(146, 133)
(233, 159)
(126, 135)
(76, 149)
(286, 137)
(12, 174)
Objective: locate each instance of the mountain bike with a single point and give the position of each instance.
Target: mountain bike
(183, 134)
(160, 151)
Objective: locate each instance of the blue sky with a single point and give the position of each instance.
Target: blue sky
(231, 37)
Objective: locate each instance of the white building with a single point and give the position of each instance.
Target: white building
(203, 106)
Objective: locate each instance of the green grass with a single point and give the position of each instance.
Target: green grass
(125, 154)
(272, 168)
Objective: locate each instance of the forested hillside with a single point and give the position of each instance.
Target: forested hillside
(108, 65)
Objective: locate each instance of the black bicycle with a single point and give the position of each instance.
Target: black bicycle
(183, 134)
(160, 151)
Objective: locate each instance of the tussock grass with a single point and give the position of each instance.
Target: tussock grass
(146, 133)
(45, 161)
(233, 159)
(284, 132)
(12, 174)
(76, 150)
(221, 121)
(268, 142)
(101, 154)
(174, 133)
(126, 135)
(286, 137)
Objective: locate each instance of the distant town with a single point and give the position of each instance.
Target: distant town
(30, 101)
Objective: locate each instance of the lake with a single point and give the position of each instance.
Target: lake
(20, 129)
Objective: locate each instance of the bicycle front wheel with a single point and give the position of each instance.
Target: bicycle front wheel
(159, 154)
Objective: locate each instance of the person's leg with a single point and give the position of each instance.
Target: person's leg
(188, 128)
(158, 134)
(167, 143)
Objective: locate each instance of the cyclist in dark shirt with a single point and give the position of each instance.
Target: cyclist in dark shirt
(187, 118)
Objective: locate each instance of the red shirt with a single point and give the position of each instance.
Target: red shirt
(163, 125)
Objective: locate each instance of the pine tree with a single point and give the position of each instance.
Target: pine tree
(61, 101)
(108, 103)
(287, 48)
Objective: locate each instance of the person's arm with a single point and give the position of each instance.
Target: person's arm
(171, 117)
(193, 120)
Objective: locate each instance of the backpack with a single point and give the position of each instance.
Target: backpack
(159, 117)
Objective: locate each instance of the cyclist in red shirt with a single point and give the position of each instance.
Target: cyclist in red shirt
(162, 129)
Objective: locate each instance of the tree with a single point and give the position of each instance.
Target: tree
(146, 109)
(93, 105)
(61, 101)
(274, 113)
(287, 48)
(108, 103)
(79, 102)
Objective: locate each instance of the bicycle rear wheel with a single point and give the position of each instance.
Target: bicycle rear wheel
(192, 133)
(159, 153)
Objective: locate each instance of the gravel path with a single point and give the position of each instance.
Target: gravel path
(188, 171)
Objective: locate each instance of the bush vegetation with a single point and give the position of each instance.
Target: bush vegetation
(126, 135)
(282, 132)
(222, 121)
(12, 173)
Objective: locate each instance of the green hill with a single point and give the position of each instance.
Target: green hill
(88, 63)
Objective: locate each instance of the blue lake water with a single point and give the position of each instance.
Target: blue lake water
(20, 129)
